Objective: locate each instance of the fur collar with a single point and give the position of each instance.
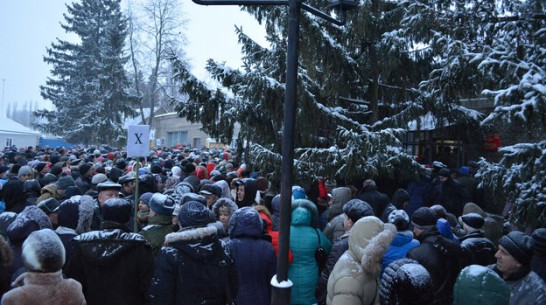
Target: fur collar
(38, 278)
(190, 234)
(374, 251)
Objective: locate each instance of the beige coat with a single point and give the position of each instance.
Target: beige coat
(354, 280)
(44, 288)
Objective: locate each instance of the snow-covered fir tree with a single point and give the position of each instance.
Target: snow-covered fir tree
(88, 86)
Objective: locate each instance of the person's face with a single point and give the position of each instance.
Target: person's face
(61, 192)
(129, 187)
(223, 217)
(107, 194)
(240, 192)
(142, 207)
(25, 177)
(45, 170)
(211, 199)
(442, 178)
(347, 223)
(506, 263)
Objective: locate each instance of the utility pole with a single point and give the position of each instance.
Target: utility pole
(280, 282)
(2, 112)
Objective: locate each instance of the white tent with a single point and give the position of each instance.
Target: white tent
(13, 133)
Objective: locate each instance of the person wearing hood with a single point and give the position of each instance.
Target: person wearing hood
(159, 221)
(194, 267)
(370, 194)
(247, 188)
(83, 182)
(56, 190)
(25, 173)
(406, 282)
(334, 228)
(305, 238)
(442, 257)
(403, 242)
(352, 212)
(223, 209)
(354, 278)
(14, 197)
(399, 201)
(113, 265)
(254, 258)
(43, 283)
(514, 266)
(480, 285)
(226, 191)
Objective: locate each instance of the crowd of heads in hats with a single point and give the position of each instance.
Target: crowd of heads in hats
(191, 218)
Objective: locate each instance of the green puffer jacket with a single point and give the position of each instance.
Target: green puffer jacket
(158, 226)
(303, 271)
(480, 285)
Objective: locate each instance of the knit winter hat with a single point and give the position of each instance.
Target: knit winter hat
(116, 210)
(519, 245)
(24, 170)
(298, 193)
(356, 209)
(423, 218)
(194, 214)
(400, 219)
(161, 204)
(539, 239)
(43, 251)
(64, 182)
(473, 220)
(84, 168)
(67, 214)
(146, 198)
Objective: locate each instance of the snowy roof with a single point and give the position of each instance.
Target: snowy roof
(428, 122)
(137, 120)
(8, 125)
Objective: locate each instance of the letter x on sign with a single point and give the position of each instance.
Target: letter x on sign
(138, 136)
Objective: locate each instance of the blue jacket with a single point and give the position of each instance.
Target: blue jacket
(399, 247)
(255, 258)
(303, 272)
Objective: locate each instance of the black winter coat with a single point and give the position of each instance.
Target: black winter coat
(454, 196)
(377, 200)
(443, 259)
(114, 266)
(478, 249)
(336, 252)
(194, 267)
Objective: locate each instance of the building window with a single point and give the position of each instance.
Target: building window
(176, 137)
(9, 142)
(197, 143)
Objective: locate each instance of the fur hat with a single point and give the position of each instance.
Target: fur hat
(116, 210)
(407, 282)
(64, 182)
(519, 245)
(76, 213)
(29, 220)
(161, 204)
(473, 220)
(356, 209)
(423, 218)
(194, 214)
(400, 219)
(43, 251)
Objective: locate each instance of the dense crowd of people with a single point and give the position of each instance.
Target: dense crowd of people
(187, 226)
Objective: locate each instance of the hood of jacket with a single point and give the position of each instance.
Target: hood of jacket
(402, 238)
(105, 247)
(199, 244)
(245, 222)
(251, 187)
(368, 241)
(304, 213)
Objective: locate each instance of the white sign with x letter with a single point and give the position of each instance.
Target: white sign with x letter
(138, 141)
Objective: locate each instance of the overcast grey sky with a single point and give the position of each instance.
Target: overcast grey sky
(27, 27)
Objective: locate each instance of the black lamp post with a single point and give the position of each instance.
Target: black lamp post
(281, 293)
